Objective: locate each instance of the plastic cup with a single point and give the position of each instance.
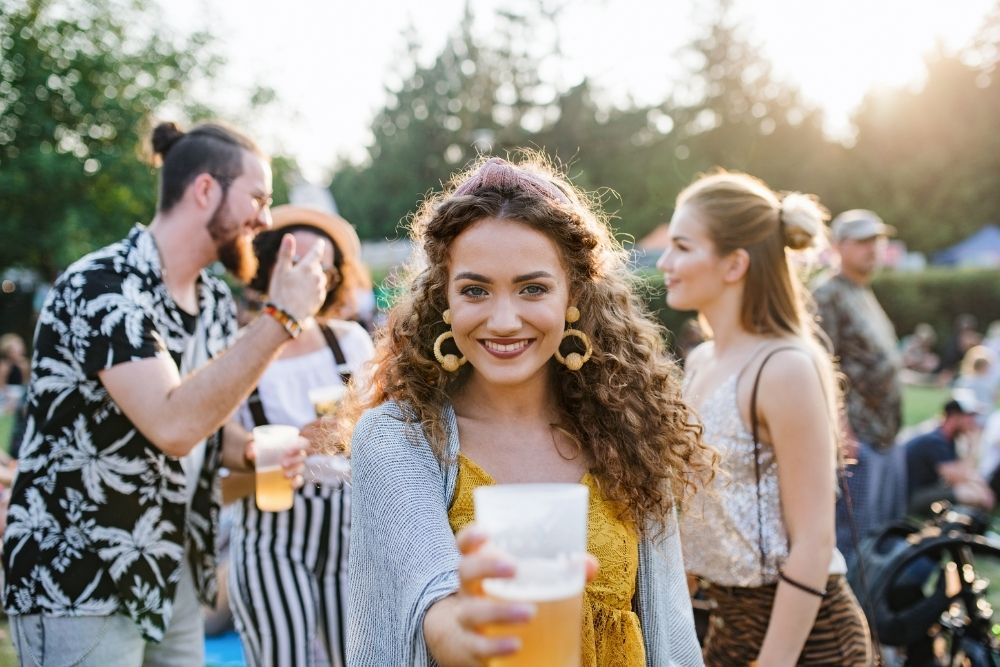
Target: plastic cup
(543, 528)
(326, 399)
(274, 491)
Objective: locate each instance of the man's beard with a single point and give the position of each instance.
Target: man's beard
(235, 249)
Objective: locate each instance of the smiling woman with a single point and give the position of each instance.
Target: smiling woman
(509, 319)
(521, 355)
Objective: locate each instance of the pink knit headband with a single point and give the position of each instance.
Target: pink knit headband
(498, 174)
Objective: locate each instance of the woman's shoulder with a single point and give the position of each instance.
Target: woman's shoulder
(392, 424)
(353, 339)
(348, 331)
(389, 416)
(390, 437)
(790, 366)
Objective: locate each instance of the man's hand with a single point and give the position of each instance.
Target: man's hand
(298, 288)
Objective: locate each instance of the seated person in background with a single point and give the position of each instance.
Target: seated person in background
(935, 470)
(918, 350)
(976, 375)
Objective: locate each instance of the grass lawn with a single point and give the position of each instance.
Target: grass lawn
(922, 402)
(6, 424)
(7, 656)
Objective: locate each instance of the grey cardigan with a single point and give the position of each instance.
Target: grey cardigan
(403, 557)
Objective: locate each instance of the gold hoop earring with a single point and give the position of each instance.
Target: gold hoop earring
(574, 361)
(449, 362)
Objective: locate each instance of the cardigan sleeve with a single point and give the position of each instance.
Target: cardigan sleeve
(403, 556)
(664, 603)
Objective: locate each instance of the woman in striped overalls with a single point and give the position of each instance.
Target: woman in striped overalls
(288, 572)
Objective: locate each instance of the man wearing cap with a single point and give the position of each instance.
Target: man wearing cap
(110, 546)
(865, 345)
(934, 469)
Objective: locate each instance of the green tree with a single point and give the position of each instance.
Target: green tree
(733, 112)
(474, 97)
(729, 111)
(929, 160)
(78, 82)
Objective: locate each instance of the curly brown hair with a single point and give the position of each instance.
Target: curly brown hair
(624, 407)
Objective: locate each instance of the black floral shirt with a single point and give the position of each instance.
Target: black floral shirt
(99, 518)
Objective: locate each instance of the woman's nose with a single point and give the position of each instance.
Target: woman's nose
(505, 318)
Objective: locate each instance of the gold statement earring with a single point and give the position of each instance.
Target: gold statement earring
(574, 361)
(449, 362)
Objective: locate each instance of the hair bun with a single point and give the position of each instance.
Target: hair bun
(802, 219)
(165, 135)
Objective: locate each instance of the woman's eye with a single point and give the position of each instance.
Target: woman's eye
(534, 290)
(473, 291)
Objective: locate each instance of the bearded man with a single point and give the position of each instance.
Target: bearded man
(110, 544)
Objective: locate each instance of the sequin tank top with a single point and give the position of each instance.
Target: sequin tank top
(719, 526)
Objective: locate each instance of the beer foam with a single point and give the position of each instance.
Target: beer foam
(540, 580)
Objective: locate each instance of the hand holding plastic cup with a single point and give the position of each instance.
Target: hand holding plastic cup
(326, 399)
(274, 489)
(543, 529)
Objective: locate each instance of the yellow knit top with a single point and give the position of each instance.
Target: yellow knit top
(612, 636)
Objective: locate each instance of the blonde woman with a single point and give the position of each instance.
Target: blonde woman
(762, 535)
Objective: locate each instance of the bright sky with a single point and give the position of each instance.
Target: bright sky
(329, 60)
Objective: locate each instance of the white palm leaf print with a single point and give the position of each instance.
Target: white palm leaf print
(33, 522)
(31, 458)
(144, 542)
(99, 467)
(61, 378)
(54, 600)
(129, 307)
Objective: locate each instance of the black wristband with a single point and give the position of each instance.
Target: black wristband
(802, 587)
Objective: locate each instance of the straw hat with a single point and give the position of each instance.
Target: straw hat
(352, 271)
(332, 225)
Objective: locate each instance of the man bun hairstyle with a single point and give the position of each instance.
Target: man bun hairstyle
(165, 135)
(211, 148)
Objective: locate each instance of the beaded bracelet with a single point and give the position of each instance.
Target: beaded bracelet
(284, 318)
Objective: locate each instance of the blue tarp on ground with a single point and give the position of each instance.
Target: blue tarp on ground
(980, 249)
(224, 651)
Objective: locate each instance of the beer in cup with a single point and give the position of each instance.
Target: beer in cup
(274, 490)
(543, 529)
(326, 399)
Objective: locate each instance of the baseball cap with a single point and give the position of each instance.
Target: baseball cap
(963, 401)
(858, 224)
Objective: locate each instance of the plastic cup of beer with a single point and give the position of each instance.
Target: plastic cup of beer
(543, 529)
(274, 490)
(326, 399)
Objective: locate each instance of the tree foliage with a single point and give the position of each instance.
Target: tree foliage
(78, 81)
(927, 160)
(473, 97)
